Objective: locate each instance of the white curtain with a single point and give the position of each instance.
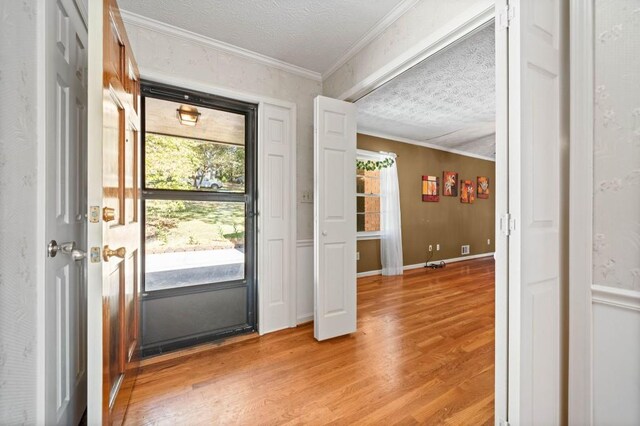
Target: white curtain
(390, 226)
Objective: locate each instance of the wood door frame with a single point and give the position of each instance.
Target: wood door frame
(580, 386)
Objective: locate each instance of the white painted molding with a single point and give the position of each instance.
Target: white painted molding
(618, 297)
(369, 273)
(140, 21)
(423, 144)
(305, 318)
(304, 243)
(580, 383)
(423, 264)
(388, 20)
(454, 30)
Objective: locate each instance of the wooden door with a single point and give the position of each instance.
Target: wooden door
(335, 218)
(65, 377)
(114, 234)
(537, 152)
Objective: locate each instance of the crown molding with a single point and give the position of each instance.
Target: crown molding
(140, 21)
(424, 144)
(391, 17)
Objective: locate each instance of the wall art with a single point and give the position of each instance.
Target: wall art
(467, 191)
(483, 187)
(450, 184)
(430, 188)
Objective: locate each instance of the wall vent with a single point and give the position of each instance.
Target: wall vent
(465, 249)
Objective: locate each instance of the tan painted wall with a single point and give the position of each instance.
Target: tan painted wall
(447, 222)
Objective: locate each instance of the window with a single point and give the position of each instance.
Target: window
(368, 198)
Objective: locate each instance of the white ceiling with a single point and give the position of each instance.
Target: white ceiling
(447, 100)
(312, 34)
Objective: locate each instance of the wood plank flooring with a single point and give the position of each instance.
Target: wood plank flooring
(423, 354)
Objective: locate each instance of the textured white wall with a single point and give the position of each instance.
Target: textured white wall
(616, 212)
(18, 161)
(168, 54)
(616, 218)
(424, 19)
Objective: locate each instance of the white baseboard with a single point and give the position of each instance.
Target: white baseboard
(422, 265)
(305, 318)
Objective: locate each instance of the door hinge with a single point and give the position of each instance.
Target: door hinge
(506, 16)
(507, 224)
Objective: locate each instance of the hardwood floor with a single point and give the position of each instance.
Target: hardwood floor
(423, 354)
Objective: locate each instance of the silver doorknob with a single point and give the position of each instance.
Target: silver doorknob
(65, 248)
(324, 233)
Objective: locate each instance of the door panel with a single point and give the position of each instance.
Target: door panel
(114, 232)
(277, 219)
(64, 310)
(335, 213)
(538, 142)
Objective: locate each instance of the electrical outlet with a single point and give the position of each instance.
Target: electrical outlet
(437, 247)
(488, 241)
(466, 249)
(306, 197)
(430, 247)
(357, 255)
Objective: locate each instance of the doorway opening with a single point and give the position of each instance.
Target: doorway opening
(199, 195)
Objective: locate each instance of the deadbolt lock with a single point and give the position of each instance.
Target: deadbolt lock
(108, 214)
(107, 253)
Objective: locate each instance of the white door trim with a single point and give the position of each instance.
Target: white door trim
(159, 77)
(454, 30)
(581, 212)
(502, 207)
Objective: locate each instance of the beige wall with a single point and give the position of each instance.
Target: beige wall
(428, 18)
(448, 222)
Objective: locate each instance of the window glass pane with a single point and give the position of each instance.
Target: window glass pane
(193, 165)
(367, 185)
(370, 204)
(193, 242)
(368, 222)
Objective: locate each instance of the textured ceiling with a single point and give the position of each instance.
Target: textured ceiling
(446, 100)
(312, 34)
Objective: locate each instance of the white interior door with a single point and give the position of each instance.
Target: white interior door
(538, 145)
(335, 218)
(65, 322)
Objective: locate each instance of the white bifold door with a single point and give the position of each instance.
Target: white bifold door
(538, 193)
(335, 218)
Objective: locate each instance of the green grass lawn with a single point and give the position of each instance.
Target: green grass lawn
(193, 225)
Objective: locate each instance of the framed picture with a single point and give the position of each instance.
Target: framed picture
(430, 188)
(467, 191)
(450, 184)
(483, 187)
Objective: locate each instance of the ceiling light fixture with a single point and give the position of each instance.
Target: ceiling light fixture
(188, 115)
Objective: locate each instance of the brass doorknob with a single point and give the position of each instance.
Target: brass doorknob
(108, 253)
(108, 214)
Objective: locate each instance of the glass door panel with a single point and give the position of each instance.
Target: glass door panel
(193, 242)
